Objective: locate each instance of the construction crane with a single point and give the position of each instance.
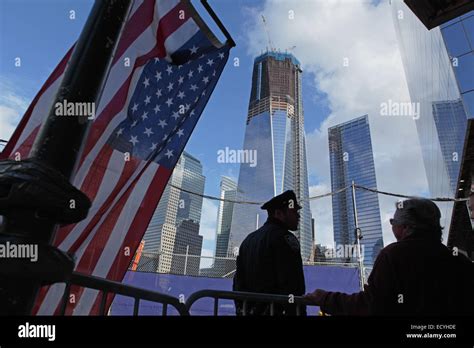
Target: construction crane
(270, 44)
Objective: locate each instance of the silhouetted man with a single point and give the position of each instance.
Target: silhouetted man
(269, 259)
(417, 275)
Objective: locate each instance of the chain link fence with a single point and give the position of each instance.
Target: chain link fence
(203, 266)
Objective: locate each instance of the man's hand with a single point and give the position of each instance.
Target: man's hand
(317, 296)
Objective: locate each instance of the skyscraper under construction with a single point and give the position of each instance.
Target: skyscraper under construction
(275, 131)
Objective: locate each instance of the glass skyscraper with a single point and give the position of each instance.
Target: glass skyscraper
(439, 69)
(450, 116)
(224, 216)
(351, 159)
(174, 227)
(275, 131)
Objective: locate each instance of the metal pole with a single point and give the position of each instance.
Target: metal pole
(186, 259)
(358, 236)
(60, 139)
(221, 26)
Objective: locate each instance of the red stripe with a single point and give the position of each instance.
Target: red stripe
(11, 145)
(25, 148)
(137, 229)
(90, 186)
(39, 299)
(170, 20)
(136, 25)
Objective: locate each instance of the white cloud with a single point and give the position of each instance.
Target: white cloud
(12, 108)
(321, 209)
(326, 33)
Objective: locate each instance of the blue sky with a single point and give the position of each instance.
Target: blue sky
(324, 33)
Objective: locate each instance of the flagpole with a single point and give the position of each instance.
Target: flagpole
(54, 154)
(219, 23)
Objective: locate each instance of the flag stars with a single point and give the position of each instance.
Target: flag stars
(200, 69)
(144, 116)
(133, 140)
(134, 107)
(190, 74)
(147, 100)
(153, 146)
(158, 93)
(193, 49)
(162, 123)
(157, 60)
(169, 102)
(157, 109)
(210, 62)
(146, 82)
(181, 95)
(175, 115)
(133, 124)
(169, 154)
(119, 132)
(214, 73)
(180, 133)
(221, 55)
(181, 79)
(169, 69)
(191, 113)
(170, 86)
(205, 80)
(158, 76)
(148, 132)
(193, 87)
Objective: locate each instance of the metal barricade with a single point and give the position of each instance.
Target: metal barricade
(247, 297)
(107, 287)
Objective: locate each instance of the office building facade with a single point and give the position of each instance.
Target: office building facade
(175, 223)
(351, 159)
(439, 70)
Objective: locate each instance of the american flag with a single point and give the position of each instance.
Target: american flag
(166, 66)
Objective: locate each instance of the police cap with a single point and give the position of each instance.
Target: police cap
(285, 200)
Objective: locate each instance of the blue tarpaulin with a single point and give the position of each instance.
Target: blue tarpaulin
(332, 278)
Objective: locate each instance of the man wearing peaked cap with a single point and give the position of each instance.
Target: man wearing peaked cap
(286, 199)
(269, 259)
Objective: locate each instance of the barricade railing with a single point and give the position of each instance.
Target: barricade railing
(247, 297)
(107, 287)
